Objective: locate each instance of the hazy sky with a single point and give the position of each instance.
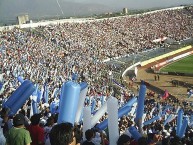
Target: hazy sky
(10, 9)
(138, 3)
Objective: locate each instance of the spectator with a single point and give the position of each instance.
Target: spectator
(124, 140)
(62, 134)
(2, 138)
(50, 55)
(18, 135)
(89, 134)
(36, 132)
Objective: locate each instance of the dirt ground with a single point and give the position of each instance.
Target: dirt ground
(164, 83)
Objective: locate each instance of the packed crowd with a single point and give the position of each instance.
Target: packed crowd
(51, 55)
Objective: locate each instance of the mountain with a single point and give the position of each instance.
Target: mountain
(41, 9)
(138, 4)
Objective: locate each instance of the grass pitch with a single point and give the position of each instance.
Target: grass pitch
(184, 65)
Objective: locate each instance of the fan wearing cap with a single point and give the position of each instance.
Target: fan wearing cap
(18, 135)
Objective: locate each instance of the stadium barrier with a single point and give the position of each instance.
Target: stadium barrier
(179, 74)
(144, 63)
(131, 68)
(156, 68)
(173, 59)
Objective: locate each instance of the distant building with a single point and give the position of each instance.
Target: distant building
(125, 11)
(23, 19)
